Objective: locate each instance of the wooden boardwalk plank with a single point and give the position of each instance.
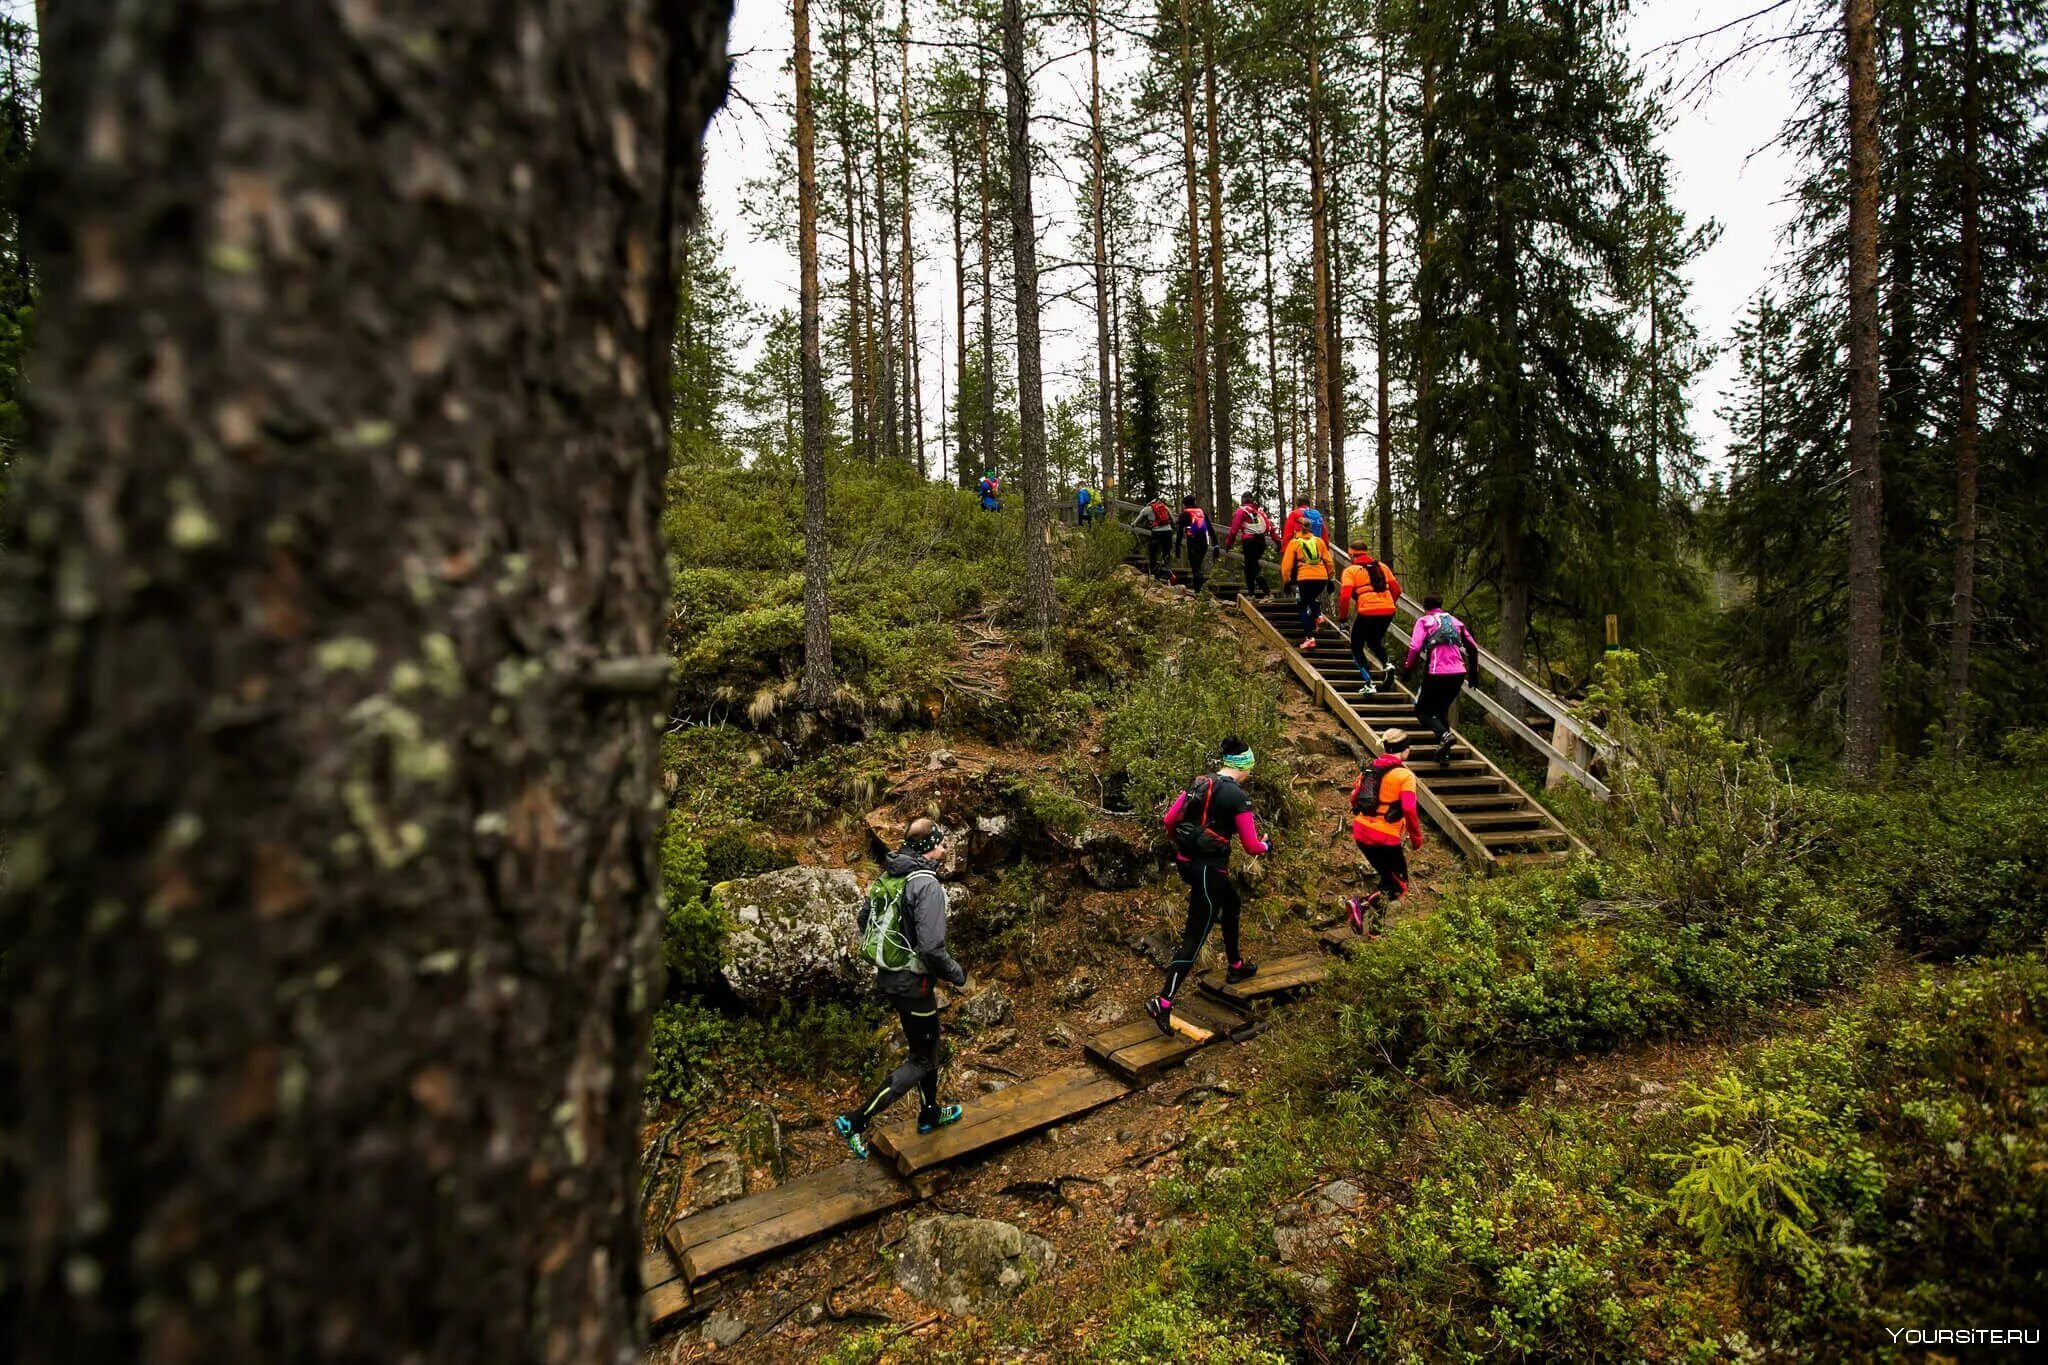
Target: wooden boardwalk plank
(663, 1295)
(1281, 974)
(1007, 1114)
(824, 1201)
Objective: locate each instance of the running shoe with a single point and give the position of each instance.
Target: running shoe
(1243, 971)
(855, 1143)
(949, 1114)
(1161, 1011)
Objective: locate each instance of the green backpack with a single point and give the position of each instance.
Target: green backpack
(882, 940)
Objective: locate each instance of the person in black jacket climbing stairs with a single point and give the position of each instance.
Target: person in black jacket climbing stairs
(1197, 536)
(903, 932)
(1201, 823)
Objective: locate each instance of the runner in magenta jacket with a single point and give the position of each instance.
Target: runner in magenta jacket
(1446, 674)
(1212, 897)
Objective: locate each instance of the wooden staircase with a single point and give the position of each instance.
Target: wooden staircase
(1476, 805)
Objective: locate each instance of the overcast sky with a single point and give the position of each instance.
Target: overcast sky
(1723, 163)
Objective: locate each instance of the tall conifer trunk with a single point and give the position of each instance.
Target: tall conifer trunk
(1219, 335)
(333, 665)
(1105, 414)
(1319, 267)
(1038, 588)
(814, 689)
(988, 289)
(1865, 689)
(1382, 300)
(1966, 403)
(1201, 475)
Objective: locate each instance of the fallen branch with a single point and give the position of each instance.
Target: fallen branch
(1141, 1162)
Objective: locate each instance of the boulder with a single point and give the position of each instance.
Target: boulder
(1110, 860)
(718, 1181)
(1073, 990)
(788, 931)
(1111, 1011)
(723, 1329)
(986, 1008)
(969, 1265)
(991, 840)
(1158, 945)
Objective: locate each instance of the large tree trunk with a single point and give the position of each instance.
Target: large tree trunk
(1427, 464)
(1966, 404)
(814, 690)
(913, 381)
(1382, 300)
(1038, 588)
(1865, 692)
(961, 474)
(988, 289)
(859, 439)
(333, 664)
(1272, 324)
(1198, 344)
(1340, 491)
(886, 397)
(1219, 336)
(1319, 269)
(1099, 169)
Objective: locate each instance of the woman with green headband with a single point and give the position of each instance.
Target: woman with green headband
(1201, 823)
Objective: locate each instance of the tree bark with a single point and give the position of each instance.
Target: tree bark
(1272, 320)
(1105, 413)
(1865, 690)
(913, 382)
(1428, 466)
(1038, 587)
(1319, 269)
(1966, 404)
(1219, 335)
(814, 689)
(961, 474)
(1383, 309)
(988, 289)
(332, 673)
(886, 398)
(1340, 492)
(1201, 474)
(859, 437)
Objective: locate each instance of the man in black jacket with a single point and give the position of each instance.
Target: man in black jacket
(922, 921)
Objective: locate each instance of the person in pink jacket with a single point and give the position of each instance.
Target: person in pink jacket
(1453, 653)
(1201, 822)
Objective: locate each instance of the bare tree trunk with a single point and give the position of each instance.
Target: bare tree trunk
(859, 437)
(1116, 347)
(333, 668)
(1517, 571)
(1218, 302)
(1105, 414)
(1966, 414)
(1340, 491)
(1272, 323)
(1428, 467)
(961, 474)
(886, 397)
(1319, 268)
(1382, 300)
(913, 385)
(1866, 587)
(1198, 353)
(988, 288)
(814, 690)
(1038, 588)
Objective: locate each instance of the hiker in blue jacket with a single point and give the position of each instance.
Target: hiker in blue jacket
(915, 938)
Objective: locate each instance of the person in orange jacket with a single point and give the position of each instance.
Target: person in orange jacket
(1308, 566)
(1367, 594)
(1380, 815)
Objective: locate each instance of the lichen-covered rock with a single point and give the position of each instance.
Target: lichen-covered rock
(984, 1009)
(1110, 860)
(788, 933)
(968, 1265)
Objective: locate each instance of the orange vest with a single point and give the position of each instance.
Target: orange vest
(1358, 583)
(1372, 827)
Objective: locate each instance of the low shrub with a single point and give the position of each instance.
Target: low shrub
(1170, 723)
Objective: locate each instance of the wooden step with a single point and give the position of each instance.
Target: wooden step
(792, 1213)
(1486, 783)
(1282, 974)
(663, 1295)
(1527, 815)
(1509, 838)
(1138, 1050)
(1010, 1113)
(1481, 803)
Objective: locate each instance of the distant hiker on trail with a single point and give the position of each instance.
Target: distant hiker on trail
(1154, 525)
(1382, 810)
(1305, 567)
(1252, 530)
(903, 932)
(1201, 822)
(1197, 536)
(991, 491)
(1087, 506)
(1367, 594)
(1453, 655)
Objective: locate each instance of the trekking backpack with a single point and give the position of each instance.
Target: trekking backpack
(882, 940)
(1198, 523)
(1446, 632)
(1376, 574)
(1258, 523)
(1162, 517)
(1390, 811)
(1191, 833)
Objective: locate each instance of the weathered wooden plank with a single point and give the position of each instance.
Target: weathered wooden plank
(860, 1190)
(1283, 974)
(1340, 938)
(1141, 1060)
(1213, 1015)
(1007, 1114)
(1123, 1035)
(710, 1225)
(663, 1295)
